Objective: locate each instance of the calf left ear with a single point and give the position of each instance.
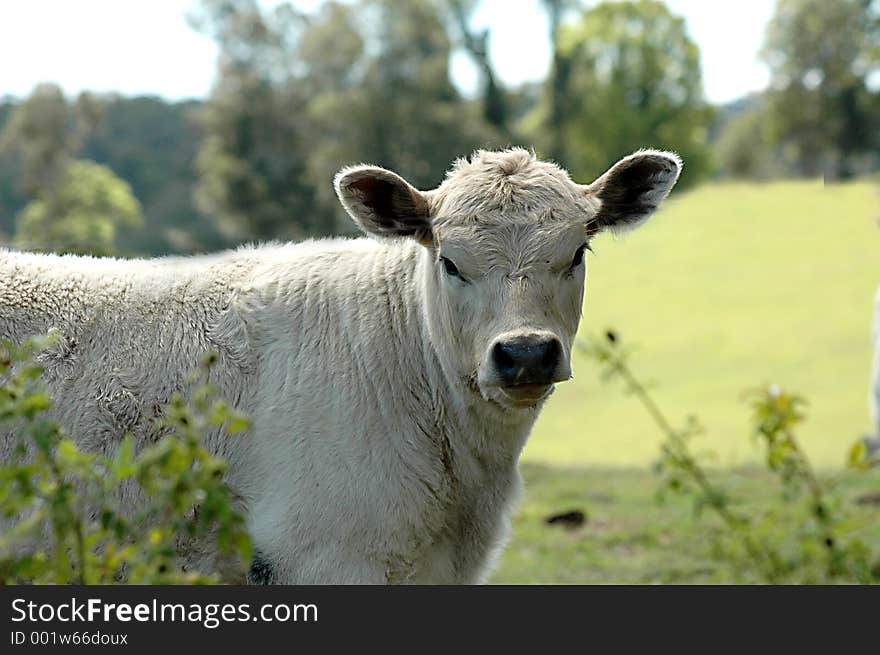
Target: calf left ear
(384, 204)
(629, 192)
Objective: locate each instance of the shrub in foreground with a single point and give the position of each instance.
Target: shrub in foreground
(816, 542)
(59, 506)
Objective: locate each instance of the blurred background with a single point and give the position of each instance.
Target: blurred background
(151, 128)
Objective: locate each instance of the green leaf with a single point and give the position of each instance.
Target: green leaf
(857, 456)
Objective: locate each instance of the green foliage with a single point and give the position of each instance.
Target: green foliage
(632, 80)
(496, 102)
(822, 549)
(41, 131)
(745, 148)
(45, 131)
(82, 214)
(299, 96)
(75, 206)
(252, 160)
(820, 104)
(63, 505)
(152, 144)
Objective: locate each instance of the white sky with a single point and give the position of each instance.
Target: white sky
(146, 47)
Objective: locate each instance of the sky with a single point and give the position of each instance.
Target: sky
(137, 47)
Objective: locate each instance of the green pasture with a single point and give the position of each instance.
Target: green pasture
(629, 538)
(728, 287)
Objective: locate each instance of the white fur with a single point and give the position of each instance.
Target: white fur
(378, 451)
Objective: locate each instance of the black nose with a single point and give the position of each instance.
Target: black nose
(526, 360)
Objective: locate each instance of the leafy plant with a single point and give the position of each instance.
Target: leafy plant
(815, 543)
(64, 519)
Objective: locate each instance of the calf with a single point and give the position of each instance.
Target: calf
(391, 381)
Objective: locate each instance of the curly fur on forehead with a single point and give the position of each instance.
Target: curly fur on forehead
(512, 181)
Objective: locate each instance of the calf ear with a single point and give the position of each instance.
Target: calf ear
(383, 203)
(629, 192)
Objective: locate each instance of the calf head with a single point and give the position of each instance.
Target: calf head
(503, 265)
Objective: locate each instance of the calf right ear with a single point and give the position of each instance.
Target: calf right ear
(384, 204)
(629, 192)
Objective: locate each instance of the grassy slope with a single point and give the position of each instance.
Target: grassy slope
(728, 287)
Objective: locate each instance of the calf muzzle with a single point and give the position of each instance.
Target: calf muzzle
(527, 360)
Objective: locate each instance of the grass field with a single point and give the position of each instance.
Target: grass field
(628, 538)
(727, 288)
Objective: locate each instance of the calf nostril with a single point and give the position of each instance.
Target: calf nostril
(550, 351)
(504, 356)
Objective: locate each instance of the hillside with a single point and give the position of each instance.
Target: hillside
(730, 286)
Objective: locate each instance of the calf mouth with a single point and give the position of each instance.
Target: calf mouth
(526, 395)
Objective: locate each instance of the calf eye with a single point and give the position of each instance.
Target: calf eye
(579, 255)
(450, 268)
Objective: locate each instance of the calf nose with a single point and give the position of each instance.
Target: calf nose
(526, 359)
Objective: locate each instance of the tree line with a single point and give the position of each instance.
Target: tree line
(297, 95)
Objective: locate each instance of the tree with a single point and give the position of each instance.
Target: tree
(12, 197)
(427, 123)
(75, 206)
(495, 105)
(252, 163)
(297, 99)
(558, 81)
(82, 214)
(632, 80)
(744, 147)
(152, 145)
(822, 56)
(46, 131)
(395, 106)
